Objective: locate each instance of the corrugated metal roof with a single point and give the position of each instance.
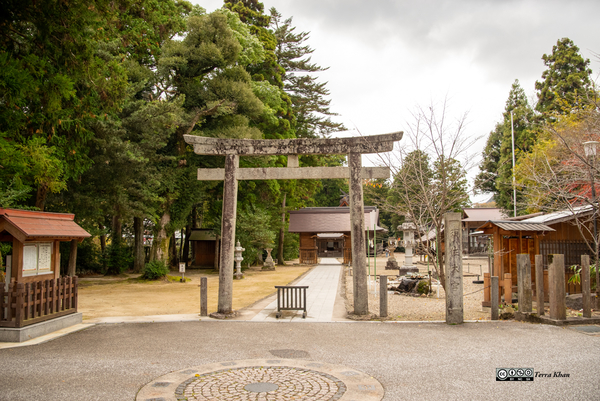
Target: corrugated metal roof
(484, 214)
(43, 224)
(520, 226)
(561, 215)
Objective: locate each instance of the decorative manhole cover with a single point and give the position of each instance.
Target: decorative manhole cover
(264, 379)
(272, 381)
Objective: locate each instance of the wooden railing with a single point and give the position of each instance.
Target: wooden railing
(308, 256)
(28, 303)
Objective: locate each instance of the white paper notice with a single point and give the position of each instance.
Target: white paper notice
(45, 257)
(30, 258)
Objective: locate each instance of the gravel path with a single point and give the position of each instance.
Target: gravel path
(431, 308)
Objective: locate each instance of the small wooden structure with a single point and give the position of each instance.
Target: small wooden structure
(206, 248)
(34, 291)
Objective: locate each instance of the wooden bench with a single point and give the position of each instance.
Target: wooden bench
(291, 298)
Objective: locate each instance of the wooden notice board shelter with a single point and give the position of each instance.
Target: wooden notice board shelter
(34, 290)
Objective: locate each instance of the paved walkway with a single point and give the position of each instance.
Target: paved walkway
(323, 283)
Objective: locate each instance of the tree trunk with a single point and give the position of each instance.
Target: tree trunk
(280, 260)
(160, 244)
(40, 199)
(194, 225)
(173, 251)
(138, 245)
(186, 247)
(117, 228)
(72, 258)
(217, 250)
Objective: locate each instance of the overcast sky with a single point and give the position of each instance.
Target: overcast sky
(385, 57)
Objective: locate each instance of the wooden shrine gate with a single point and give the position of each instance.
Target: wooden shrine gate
(232, 149)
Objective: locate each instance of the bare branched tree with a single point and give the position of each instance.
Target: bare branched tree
(429, 175)
(558, 176)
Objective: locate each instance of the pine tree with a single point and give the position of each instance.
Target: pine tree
(566, 83)
(309, 97)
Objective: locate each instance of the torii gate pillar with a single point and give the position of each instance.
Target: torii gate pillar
(230, 190)
(232, 149)
(357, 227)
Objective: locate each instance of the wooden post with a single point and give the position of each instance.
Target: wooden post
(539, 284)
(556, 281)
(507, 288)
(486, 290)
(230, 188)
(357, 226)
(494, 296)
(524, 282)
(585, 286)
(203, 296)
(383, 296)
(453, 269)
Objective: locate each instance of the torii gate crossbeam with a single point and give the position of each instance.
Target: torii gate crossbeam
(232, 149)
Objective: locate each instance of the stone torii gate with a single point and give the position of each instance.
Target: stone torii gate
(232, 149)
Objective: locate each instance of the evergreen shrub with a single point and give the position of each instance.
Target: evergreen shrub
(155, 270)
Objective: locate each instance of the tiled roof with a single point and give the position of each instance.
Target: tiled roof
(28, 224)
(329, 220)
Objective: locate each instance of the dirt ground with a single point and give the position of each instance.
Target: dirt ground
(101, 296)
(127, 296)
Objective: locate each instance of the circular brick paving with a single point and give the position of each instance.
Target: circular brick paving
(265, 383)
(263, 380)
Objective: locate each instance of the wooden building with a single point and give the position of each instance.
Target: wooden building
(543, 234)
(34, 290)
(206, 248)
(325, 231)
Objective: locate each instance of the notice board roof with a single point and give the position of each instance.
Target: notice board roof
(27, 224)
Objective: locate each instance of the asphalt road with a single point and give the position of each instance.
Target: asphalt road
(413, 361)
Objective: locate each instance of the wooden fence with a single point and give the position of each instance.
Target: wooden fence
(28, 303)
(308, 256)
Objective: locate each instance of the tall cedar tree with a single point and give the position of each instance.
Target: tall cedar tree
(496, 166)
(566, 83)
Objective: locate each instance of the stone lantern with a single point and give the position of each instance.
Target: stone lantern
(238, 275)
(409, 228)
(391, 262)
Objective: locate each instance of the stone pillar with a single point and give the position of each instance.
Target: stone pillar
(585, 286)
(453, 269)
(357, 226)
(539, 284)
(524, 283)
(230, 187)
(494, 296)
(383, 296)
(556, 287)
(408, 228)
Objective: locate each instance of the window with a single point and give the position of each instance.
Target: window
(37, 258)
